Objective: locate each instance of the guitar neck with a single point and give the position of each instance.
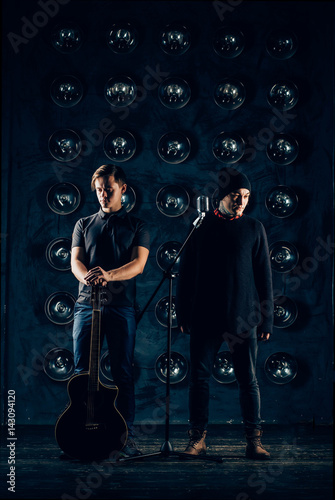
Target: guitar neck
(93, 384)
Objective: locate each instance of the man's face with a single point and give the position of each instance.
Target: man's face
(236, 201)
(109, 193)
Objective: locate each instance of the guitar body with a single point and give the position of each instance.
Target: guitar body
(90, 428)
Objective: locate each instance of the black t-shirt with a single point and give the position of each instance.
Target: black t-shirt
(108, 241)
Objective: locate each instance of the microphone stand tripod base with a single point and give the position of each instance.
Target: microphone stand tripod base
(167, 451)
(166, 448)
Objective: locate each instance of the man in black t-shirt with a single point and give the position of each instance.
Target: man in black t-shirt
(110, 248)
(225, 294)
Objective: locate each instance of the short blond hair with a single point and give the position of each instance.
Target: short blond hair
(109, 169)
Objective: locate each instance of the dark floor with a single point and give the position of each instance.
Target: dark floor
(301, 467)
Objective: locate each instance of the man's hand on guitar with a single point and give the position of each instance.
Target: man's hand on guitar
(97, 276)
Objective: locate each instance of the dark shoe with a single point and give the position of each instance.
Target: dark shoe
(254, 448)
(130, 449)
(196, 445)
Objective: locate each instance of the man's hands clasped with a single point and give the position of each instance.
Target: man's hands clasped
(97, 276)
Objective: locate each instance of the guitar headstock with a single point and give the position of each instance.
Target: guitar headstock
(98, 296)
(95, 297)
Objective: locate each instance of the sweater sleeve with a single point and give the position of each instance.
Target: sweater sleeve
(263, 281)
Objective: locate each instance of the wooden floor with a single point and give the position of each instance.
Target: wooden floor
(301, 467)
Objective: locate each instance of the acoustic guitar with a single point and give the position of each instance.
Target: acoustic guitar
(91, 427)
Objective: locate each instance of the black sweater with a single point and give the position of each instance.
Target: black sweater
(225, 277)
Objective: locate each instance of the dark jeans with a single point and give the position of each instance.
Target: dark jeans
(203, 349)
(119, 326)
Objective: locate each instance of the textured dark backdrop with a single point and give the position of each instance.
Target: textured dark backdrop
(30, 117)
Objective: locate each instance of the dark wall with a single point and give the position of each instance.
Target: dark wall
(31, 63)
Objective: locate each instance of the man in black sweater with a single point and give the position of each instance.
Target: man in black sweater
(225, 294)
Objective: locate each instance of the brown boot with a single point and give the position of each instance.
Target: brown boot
(254, 448)
(196, 445)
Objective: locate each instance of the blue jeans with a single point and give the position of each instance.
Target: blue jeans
(203, 350)
(119, 326)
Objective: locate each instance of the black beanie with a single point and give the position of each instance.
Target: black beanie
(230, 180)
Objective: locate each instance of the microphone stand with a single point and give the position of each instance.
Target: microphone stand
(166, 449)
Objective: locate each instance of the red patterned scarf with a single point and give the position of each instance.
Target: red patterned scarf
(219, 214)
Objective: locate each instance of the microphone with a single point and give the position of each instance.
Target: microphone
(202, 208)
(202, 204)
